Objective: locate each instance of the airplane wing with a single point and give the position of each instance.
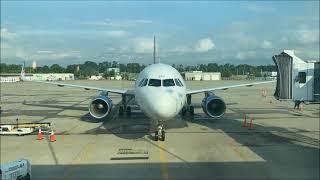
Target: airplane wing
(226, 87)
(116, 91)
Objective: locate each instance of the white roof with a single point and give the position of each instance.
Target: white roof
(291, 53)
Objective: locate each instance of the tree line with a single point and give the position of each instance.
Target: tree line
(89, 68)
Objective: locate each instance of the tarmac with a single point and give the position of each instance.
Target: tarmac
(282, 144)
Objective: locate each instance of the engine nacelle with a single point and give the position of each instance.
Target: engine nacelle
(100, 106)
(213, 106)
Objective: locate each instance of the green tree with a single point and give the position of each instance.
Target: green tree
(56, 68)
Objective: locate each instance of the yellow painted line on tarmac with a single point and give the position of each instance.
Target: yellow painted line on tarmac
(163, 161)
(84, 154)
(240, 154)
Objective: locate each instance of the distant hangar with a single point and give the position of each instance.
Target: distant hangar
(202, 76)
(15, 77)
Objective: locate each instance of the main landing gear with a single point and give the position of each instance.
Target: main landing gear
(124, 108)
(188, 108)
(160, 133)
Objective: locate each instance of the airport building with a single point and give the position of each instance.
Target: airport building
(202, 76)
(52, 77)
(116, 70)
(15, 77)
(9, 78)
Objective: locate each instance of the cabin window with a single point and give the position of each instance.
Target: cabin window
(302, 77)
(168, 82)
(154, 82)
(177, 82)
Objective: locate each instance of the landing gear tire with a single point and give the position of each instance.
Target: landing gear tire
(191, 110)
(183, 111)
(121, 110)
(128, 111)
(156, 137)
(163, 136)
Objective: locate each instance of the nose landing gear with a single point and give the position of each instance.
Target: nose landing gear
(160, 133)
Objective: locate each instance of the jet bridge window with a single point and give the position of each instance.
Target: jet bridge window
(168, 82)
(154, 82)
(302, 77)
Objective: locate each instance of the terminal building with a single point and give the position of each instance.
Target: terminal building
(15, 77)
(9, 78)
(202, 76)
(297, 79)
(51, 77)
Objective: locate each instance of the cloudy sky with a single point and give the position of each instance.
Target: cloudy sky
(67, 32)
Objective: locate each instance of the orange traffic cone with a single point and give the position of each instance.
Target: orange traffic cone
(39, 135)
(250, 126)
(52, 138)
(244, 120)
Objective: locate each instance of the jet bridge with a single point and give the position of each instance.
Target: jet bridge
(297, 80)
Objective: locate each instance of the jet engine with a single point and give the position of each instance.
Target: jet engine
(100, 106)
(213, 106)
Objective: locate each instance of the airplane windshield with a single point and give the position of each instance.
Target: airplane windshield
(177, 82)
(154, 82)
(143, 82)
(168, 82)
(180, 82)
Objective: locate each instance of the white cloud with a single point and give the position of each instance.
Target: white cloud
(245, 55)
(307, 35)
(118, 33)
(266, 44)
(259, 8)
(204, 45)
(240, 40)
(143, 45)
(50, 55)
(118, 23)
(284, 39)
(44, 52)
(143, 21)
(5, 34)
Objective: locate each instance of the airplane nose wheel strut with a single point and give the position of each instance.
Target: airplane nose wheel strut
(160, 133)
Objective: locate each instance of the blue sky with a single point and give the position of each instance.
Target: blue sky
(67, 32)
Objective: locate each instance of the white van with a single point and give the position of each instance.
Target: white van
(19, 169)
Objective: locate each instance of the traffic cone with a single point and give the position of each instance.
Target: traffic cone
(39, 135)
(250, 126)
(244, 120)
(52, 138)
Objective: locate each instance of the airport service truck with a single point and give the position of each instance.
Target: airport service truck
(19, 169)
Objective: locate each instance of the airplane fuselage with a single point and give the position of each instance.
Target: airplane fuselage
(160, 91)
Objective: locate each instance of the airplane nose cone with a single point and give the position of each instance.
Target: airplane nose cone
(163, 107)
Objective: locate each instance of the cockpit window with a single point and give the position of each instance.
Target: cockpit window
(140, 83)
(145, 82)
(154, 82)
(168, 82)
(177, 82)
(180, 82)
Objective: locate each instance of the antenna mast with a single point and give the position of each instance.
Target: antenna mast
(154, 49)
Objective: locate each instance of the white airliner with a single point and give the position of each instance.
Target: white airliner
(161, 94)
